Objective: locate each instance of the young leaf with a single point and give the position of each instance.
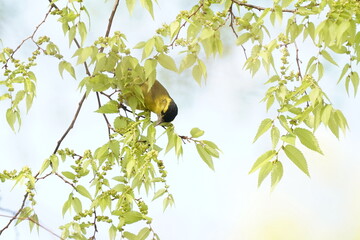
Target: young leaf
(296, 156)
(82, 32)
(159, 193)
(196, 132)
(328, 57)
(187, 62)
(205, 156)
(264, 172)
(130, 5)
(132, 216)
(83, 191)
(112, 232)
(308, 139)
(76, 204)
(11, 118)
(264, 158)
(275, 136)
(144, 233)
(110, 107)
(167, 62)
(264, 126)
(276, 173)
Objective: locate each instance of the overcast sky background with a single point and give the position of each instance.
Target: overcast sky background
(225, 204)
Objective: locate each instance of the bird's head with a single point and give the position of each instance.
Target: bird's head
(168, 113)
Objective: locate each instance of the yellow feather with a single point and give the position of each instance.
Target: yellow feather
(157, 99)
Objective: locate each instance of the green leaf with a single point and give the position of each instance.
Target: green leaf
(71, 34)
(44, 166)
(326, 114)
(19, 97)
(11, 118)
(169, 200)
(68, 175)
(150, 68)
(29, 100)
(308, 139)
(276, 173)
(159, 193)
(130, 5)
(275, 136)
(187, 62)
(112, 232)
(167, 62)
(345, 69)
(328, 57)
(205, 156)
(197, 74)
(110, 107)
(206, 33)
(264, 126)
(264, 158)
(211, 144)
(264, 172)
(148, 48)
(54, 160)
(147, 4)
(196, 132)
(140, 45)
(83, 191)
(132, 217)
(284, 123)
(82, 32)
(178, 146)
(64, 65)
(67, 204)
(270, 102)
(143, 233)
(243, 38)
(174, 29)
(34, 222)
(213, 152)
(5, 96)
(130, 236)
(83, 54)
(355, 81)
(76, 204)
(296, 156)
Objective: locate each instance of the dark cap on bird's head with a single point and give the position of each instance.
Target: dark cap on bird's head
(170, 112)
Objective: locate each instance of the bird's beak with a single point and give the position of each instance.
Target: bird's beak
(159, 121)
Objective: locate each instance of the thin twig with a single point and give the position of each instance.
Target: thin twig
(93, 237)
(260, 8)
(111, 19)
(232, 18)
(37, 223)
(16, 214)
(66, 181)
(30, 37)
(298, 61)
(183, 25)
(71, 124)
(104, 115)
(40, 178)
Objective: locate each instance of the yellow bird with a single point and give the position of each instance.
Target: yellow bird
(158, 101)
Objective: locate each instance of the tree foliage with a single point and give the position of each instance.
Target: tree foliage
(114, 70)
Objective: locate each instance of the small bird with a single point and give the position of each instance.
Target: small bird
(158, 101)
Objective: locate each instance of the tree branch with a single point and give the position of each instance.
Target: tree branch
(30, 37)
(36, 222)
(259, 8)
(183, 25)
(71, 124)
